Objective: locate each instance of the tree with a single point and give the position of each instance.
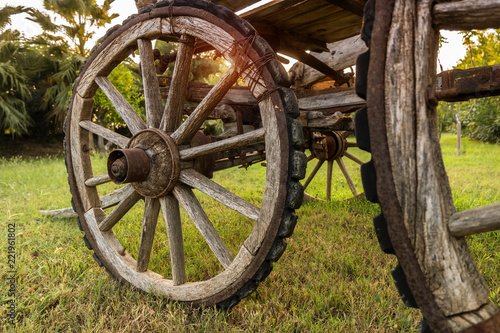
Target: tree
(482, 121)
(80, 17)
(14, 87)
(66, 44)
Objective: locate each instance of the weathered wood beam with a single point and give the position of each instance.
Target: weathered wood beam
(328, 98)
(316, 63)
(343, 54)
(354, 6)
(235, 5)
(467, 15)
(475, 221)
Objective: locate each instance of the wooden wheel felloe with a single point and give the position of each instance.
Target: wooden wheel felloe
(166, 144)
(419, 223)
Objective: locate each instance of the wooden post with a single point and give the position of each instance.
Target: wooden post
(459, 129)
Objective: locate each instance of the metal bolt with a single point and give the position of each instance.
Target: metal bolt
(484, 77)
(119, 168)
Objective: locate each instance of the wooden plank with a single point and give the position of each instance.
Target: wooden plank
(270, 10)
(174, 108)
(151, 211)
(343, 54)
(321, 12)
(223, 145)
(128, 114)
(154, 106)
(235, 5)
(354, 6)
(192, 206)
(190, 126)
(329, 99)
(467, 15)
(130, 199)
(215, 191)
(118, 139)
(171, 215)
(337, 33)
(475, 221)
(339, 20)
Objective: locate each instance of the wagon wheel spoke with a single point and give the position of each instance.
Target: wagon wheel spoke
(329, 178)
(174, 108)
(475, 221)
(99, 180)
(131, 118)
(152, 95)
(188, 129)
(118, 139)
(347, 177)
(172, 217)
(223, 145)
(313, 173)
(205, 185)
(353, 158)
(130, 199)
(193, 207)
(151, 211)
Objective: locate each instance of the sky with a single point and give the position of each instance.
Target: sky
(449, 54)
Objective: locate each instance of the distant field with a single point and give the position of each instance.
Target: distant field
(332, 277)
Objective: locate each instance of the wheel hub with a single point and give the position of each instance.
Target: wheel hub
(329, 147)
(150, 162)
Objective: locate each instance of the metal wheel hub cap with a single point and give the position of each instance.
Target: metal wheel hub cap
(150, 162)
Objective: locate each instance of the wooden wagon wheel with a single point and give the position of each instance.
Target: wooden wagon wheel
(407, 177)
(332, 149)
(159, 163)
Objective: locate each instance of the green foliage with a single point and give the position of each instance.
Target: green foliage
(36, 74)
(14, 86)
(6, 12)
(482, 116)
(483, 121)
(127, 84)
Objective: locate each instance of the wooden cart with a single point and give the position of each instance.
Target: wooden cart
(167, 163)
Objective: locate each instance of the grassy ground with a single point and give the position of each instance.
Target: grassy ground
(333, 277)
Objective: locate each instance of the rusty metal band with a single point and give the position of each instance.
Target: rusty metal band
(386, 189)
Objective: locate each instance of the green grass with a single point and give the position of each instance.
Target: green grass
(332, 277)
